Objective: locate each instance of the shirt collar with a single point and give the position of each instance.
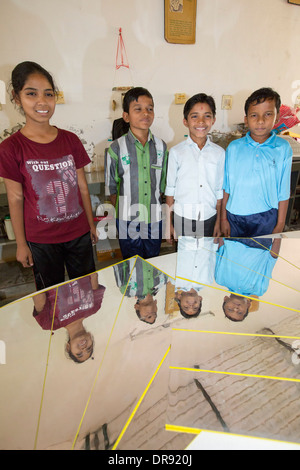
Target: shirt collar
(190, 141)
(270, 142)
(133, 139)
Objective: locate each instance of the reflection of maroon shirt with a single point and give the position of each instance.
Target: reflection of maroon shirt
(75, 300)
(53, 209)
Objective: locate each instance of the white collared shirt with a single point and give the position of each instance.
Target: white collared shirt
(196, 260)
(195, 178)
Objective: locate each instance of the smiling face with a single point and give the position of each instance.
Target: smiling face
(37, 99)
(199, 122)
(190, 302)
(260, 119)
(81, 346)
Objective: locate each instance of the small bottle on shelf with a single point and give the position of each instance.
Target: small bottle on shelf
(9, 228)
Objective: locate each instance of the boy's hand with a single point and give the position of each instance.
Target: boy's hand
(171, 234)
(225, 228)
(217, 230)
(24, 255)
(278, 228)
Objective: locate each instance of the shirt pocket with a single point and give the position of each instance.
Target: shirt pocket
(124, 168)
(212, 174)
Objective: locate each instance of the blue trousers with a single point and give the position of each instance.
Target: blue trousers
(138, 238)
(254, 225)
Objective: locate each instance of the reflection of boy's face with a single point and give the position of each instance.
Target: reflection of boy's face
(261, 119)
(147, 309)
(236, 307)
(140, 115)
(199, 121)
(81, 346)
(190, 302)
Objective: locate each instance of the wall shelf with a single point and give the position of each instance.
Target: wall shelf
(293, 213)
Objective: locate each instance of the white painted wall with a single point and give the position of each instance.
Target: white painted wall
(240, 45)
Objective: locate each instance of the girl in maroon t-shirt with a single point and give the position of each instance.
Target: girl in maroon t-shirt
(43, 171)
(67, 306)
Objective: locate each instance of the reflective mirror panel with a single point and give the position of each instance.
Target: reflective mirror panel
(146, 354)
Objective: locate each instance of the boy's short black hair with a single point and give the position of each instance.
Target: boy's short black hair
(260, 96)
(133, 95)
(199, 98)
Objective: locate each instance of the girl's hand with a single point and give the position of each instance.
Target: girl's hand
(39, 301)
(94, 236)
(24, 256)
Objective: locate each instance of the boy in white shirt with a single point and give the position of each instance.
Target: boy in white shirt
(194, 189)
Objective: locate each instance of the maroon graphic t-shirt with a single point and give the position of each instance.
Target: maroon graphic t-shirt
(75, 300)
(53, 209)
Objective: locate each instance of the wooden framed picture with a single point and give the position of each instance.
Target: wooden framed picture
(180, 21)
(294, 2)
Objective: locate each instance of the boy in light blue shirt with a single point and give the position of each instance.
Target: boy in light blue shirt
(257, 173)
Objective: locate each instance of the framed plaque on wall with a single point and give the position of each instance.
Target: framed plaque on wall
(180, 21)
(294, 2)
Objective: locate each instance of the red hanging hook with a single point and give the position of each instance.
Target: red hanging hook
(121, 51)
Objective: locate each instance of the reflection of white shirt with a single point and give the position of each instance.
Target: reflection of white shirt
(195, 178)
(196, 259)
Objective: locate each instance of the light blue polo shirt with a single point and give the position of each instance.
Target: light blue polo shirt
(257, 176)
(243, 269)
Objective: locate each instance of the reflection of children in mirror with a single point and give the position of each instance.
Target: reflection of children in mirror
(139, 279)
(189, 302)
(146, 309)
(236, 307)
(195, 266)
(245, 267)
(75, 301)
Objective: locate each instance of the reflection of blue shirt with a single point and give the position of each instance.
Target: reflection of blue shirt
(242, 269)
(257, 176)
